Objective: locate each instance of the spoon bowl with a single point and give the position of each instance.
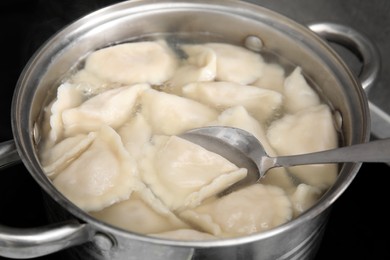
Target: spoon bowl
(245, 150)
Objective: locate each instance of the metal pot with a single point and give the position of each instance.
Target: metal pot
(223, 20)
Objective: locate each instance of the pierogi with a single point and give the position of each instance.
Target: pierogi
(112, 142)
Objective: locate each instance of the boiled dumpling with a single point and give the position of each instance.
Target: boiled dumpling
(201, 65)
(309, 130)
(59, 156)
(298, 95)
(237, 64)
(239, 117)
(304, 197)
(247, 211)
(261, 103)
(170, 114)
(182, 174)
(272, 78)
(131, 63)
(112, 107)
(135, 215)
(135, 135)
(68, 96)
(89, 83)
(101, 176)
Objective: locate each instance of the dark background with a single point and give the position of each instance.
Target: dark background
(358, 227)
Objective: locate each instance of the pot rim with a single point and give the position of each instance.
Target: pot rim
(25, 143)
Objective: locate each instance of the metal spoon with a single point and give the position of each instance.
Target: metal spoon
(243, 149)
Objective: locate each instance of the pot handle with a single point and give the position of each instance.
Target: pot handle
(357, 43)
(8, 154)
(368, 54)
(34, 242)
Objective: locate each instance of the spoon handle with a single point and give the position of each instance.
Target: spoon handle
(374, 151)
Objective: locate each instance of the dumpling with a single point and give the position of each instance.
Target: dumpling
(59, 156)
(201, 65)
(247, 211)
(136, 215)
(112, 108)
(261, 103)
(135, 134)
(240, 118)
(131, 63)
(90, 84)
(298, 95)
(101, 176)
(237, 64)
(272, 78)
(183, 174)
(304, 197)
(170, 114)
(68, 96)
(184, 234)
(309, 130)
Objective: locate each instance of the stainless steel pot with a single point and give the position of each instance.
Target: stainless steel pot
(223, 20)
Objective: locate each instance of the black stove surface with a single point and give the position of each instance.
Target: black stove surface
(358, 227)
